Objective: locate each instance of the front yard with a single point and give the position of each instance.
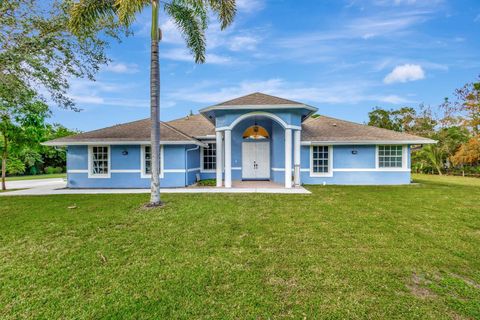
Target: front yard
(342, 252)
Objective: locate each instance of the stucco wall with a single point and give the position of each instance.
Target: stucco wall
(125, 169)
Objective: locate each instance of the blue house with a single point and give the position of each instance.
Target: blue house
(254, 137)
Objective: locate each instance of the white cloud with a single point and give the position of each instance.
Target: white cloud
(179, 54)
(335, 93)
(405, 73)
(421, 3)
(250, 5)
(240, 43)
(122, 68)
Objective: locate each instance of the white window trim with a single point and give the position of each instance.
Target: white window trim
(90, 163)
(201, 158)
(330, 162)
(143, 175)
(404, 159)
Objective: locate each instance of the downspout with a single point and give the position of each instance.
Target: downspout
(186, 163)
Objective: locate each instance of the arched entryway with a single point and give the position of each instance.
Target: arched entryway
(291, 149)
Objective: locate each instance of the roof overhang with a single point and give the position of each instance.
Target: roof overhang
(368, 142)
(117, 142)
(259, 106)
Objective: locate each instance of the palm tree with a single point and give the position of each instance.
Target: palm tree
(190, 16)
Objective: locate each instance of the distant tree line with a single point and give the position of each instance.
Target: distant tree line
(455, 124)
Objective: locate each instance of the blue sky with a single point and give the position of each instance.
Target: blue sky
(343, 56)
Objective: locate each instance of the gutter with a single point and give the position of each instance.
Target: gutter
(186, 163)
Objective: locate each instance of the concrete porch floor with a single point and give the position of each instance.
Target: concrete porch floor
(256, 184)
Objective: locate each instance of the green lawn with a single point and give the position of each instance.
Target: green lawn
(410, 252)
(38, 176)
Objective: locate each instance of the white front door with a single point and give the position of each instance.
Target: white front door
(256, 160)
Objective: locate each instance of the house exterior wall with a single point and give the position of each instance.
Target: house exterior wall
(125, 170)
(182, 163)
(355, 169)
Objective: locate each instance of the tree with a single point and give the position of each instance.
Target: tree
(37, 50)
(465, 109)
(190, 16)
(437, 155)
(397, 120)
(22, 115)
(468, 153)
(51, 157)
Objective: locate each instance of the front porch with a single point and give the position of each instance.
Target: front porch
(258, 146)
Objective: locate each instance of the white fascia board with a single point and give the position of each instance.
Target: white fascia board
(367, 142)
(259, 106)
(118, 142)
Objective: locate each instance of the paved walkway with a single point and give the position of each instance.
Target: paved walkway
(58, 186)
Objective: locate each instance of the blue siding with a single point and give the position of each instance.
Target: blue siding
(227, 117)
(343, 158)
(173, 155)
(130, 161)
(77, 158)
(193, 163)
(360, 178)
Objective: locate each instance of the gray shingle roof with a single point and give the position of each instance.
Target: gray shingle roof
(334, 130)
(195, 125)
(131, 131)
(257, 98)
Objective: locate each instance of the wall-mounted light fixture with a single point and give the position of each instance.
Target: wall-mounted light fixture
(125, 152)
(354, 151)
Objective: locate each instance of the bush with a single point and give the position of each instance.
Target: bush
(52, 170)
(207, 183)
(15, 166)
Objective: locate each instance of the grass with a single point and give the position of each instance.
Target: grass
(376, 252)
(38, 176)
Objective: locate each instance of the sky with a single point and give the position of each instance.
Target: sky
(344, 57)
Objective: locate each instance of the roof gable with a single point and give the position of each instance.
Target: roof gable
(258, 98)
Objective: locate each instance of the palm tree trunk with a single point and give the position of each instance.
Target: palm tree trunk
(155, 109)
(4, 162)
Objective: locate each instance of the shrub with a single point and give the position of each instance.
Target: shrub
(52, 170)
(207, 183)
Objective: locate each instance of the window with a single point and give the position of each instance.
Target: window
(148, 160)
(209, 157)
(146, 165)
(321, 161)
(255, 132)
(99, 162)
(390, 156)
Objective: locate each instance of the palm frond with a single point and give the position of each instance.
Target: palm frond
(85, 13)
(127, 9)
(192, 22)
(225, 11)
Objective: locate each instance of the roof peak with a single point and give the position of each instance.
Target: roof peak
(257, 98)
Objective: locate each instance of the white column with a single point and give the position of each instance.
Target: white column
(228, 158)
(219, 164)
(288, 158)
(296, 157)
